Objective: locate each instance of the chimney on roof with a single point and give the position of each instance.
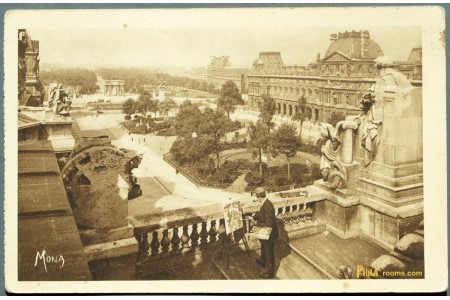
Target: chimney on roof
(333, 37)
(318, 58)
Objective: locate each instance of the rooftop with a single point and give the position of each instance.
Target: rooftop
(45, 220)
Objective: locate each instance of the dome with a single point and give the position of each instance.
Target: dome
(349, 44)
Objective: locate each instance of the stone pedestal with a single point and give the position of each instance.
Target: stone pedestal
(111, 253)
(391, 186)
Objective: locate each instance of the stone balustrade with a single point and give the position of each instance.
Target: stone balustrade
(179, 232)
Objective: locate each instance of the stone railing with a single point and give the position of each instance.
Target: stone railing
(183, 232)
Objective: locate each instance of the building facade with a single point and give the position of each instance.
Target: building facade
(220, 71)
(334, 84)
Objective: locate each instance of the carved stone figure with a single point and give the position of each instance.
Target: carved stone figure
(373, 105)
(60, 100)
(331, 169)
(370, 133)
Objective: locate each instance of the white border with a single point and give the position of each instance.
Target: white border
(432, 22)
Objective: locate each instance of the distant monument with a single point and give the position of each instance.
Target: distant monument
(161, 91)
(114, 88)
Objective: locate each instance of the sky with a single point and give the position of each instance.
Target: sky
(187, 38)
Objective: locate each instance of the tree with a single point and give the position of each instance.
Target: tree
(167, 105)
(229, 98)
(259, 143)
(146, 104)
(187, 121)
(84, 80)
(268, 109)
(129, 106)
(191, 150)
(211, 88)
(215, 125)
(302, 113)
(286, 141)
(335, 118)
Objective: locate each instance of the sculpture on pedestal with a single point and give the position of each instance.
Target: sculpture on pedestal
(337, 151)
(330, 167)
(375, 105)
(60, 100)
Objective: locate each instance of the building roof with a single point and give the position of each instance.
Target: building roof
(350, 45)
(415, 57)
(45, 219)
(27, 121)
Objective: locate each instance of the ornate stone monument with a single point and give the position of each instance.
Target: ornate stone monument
(30, 89)
(372, 164)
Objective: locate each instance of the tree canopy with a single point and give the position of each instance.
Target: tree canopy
(187, 121)
(209, 126)
(268, 109)
(137, 78)
(83, 78)
(259, 141)
(146, 104)
(167, 105)
(335, 118)
(129, 106)
(229, 97)
(286, 141)
(302, 113)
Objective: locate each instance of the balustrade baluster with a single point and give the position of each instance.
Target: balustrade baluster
(301, 213)
(165, 242)
(212, 232)
(309, 211)
(185, 238)
(203, 235)
(280, 211)
(222, 226)
(287, 214)
(143, 245)
(175, 240)
(154, 245)
(294, 214)
(194, 236)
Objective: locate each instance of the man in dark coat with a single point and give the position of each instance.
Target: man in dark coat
(266, 218)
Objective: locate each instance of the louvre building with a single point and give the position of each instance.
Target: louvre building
(334, 83)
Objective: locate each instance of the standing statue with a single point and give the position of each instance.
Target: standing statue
(371, 132)
(60, 100)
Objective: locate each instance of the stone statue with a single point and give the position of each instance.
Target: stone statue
(337, 153)
(371, 131)
(60, 100)
(331, 169)
(373, 108)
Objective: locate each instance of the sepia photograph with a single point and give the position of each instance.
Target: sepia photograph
(225, 150)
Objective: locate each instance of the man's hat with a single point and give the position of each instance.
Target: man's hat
(260, 192)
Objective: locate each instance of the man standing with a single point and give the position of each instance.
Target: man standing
(266, 218)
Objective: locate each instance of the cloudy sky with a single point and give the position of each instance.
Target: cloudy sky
(187, 38)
